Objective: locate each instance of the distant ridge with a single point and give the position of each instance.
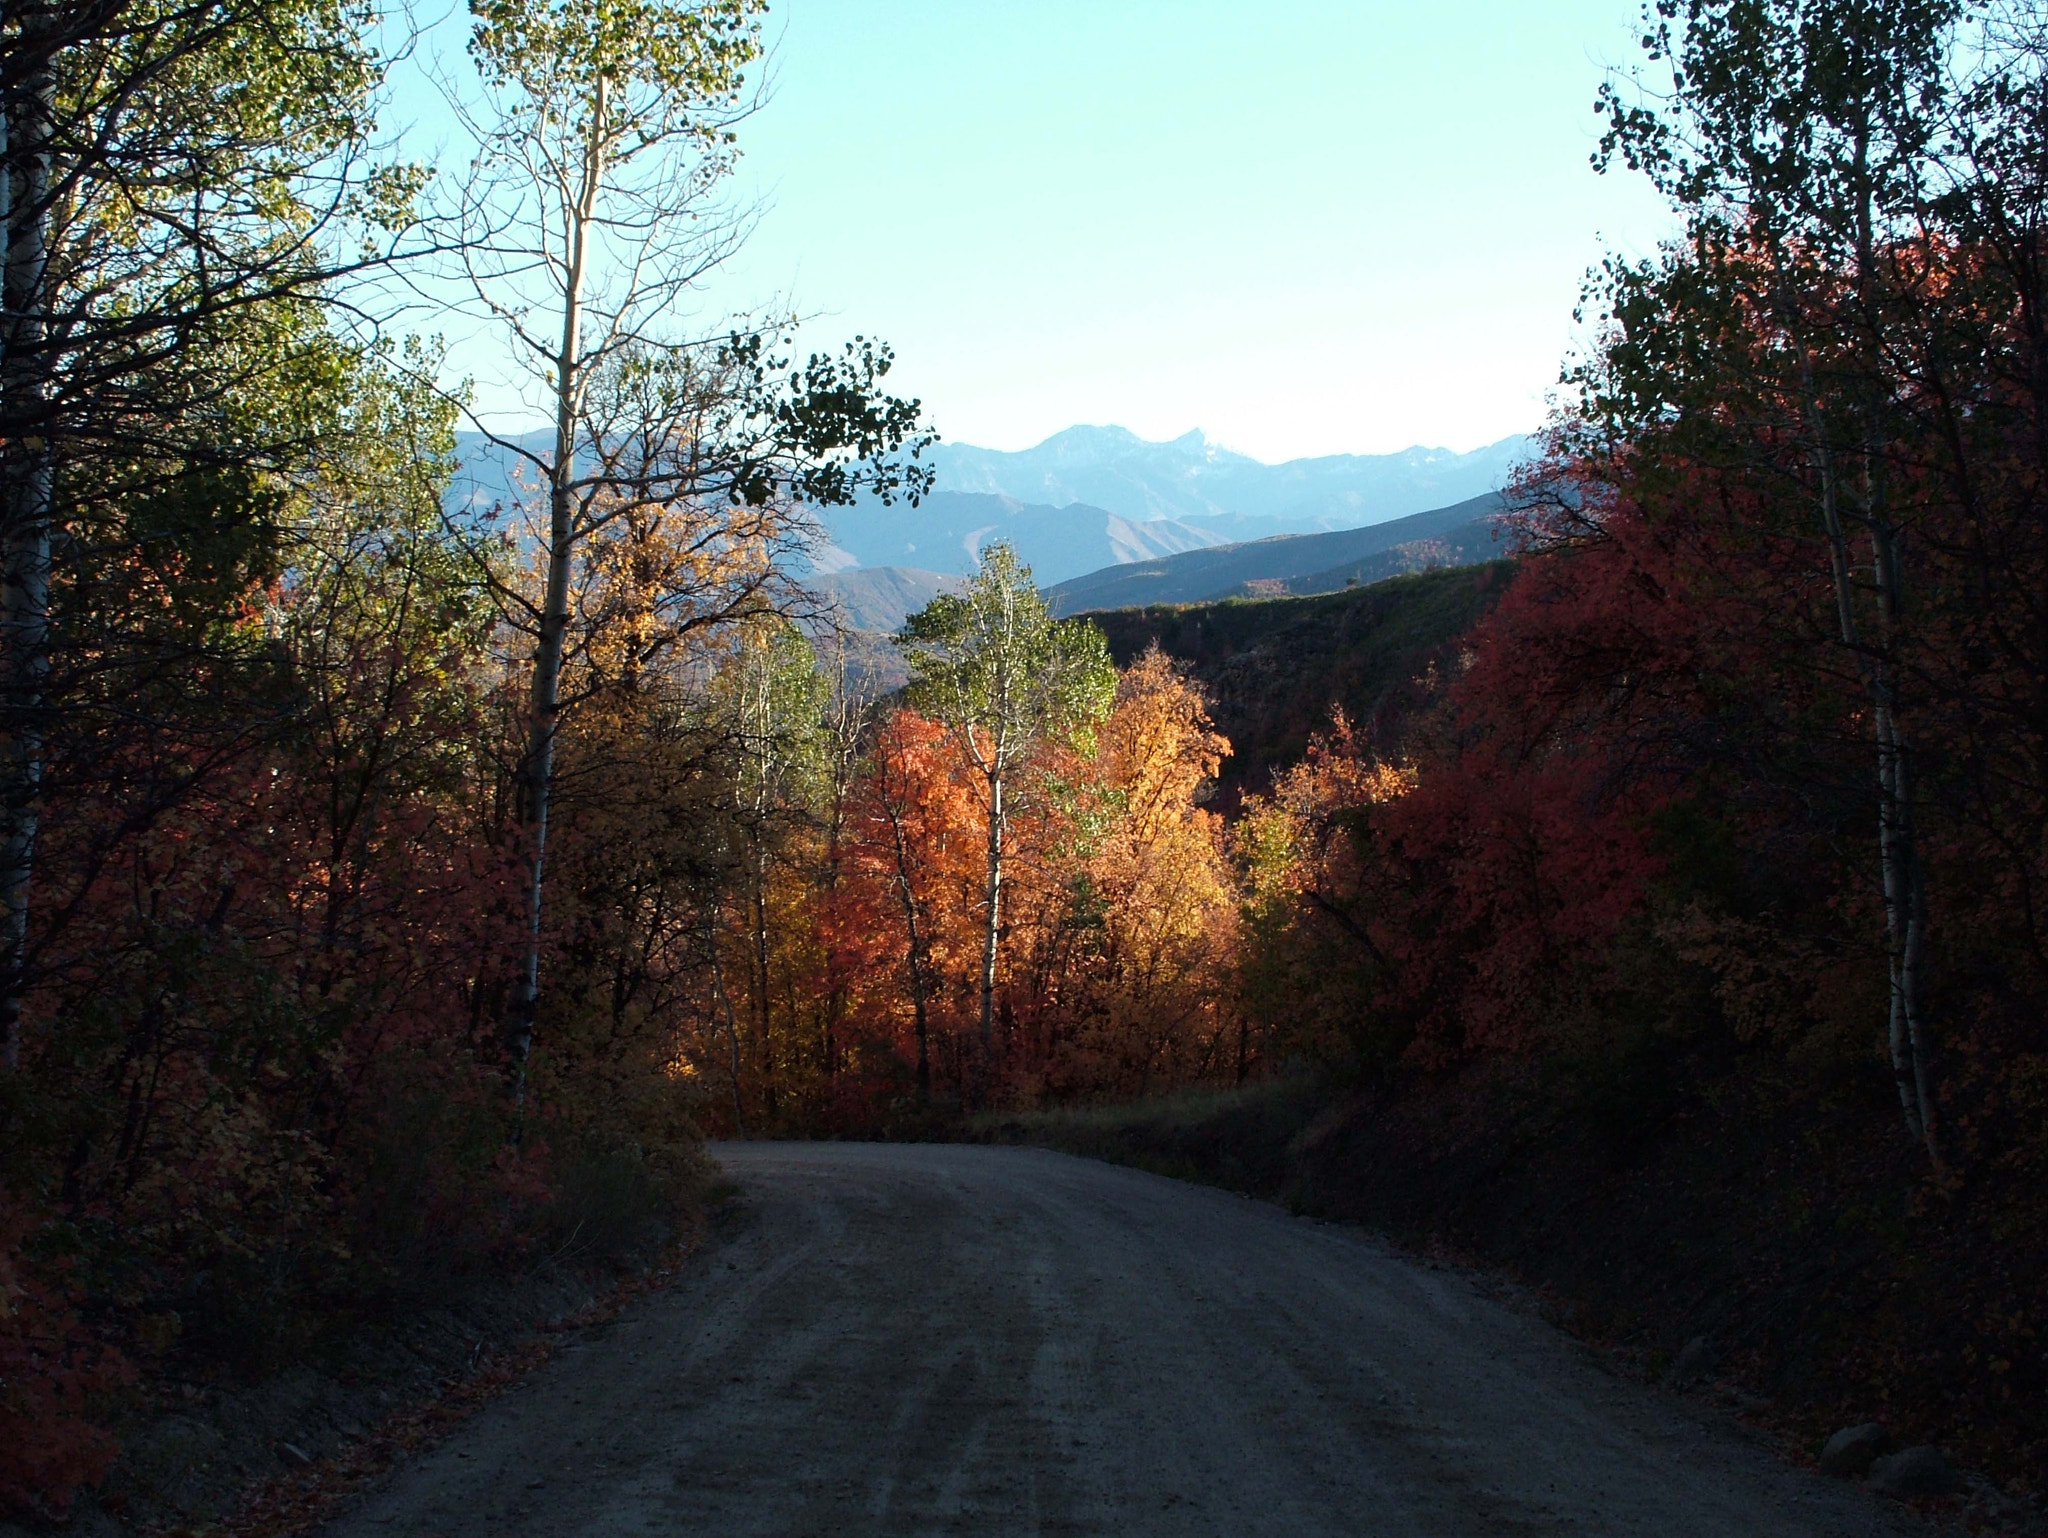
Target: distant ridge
(945, 533)
(1092, 498)
(1299, 563)
(1193, 480)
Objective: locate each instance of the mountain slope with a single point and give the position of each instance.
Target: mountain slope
(1289, 563)
(1463, 545)
(1273, 670)
(879, 598)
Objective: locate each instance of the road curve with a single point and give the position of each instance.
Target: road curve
(929, 1339)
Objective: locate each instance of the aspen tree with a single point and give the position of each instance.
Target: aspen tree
(1006, 678)
(586, 226)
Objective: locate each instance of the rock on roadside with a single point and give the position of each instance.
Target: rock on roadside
(1851, 1451)
(1917, 1471)
(1695, 1364)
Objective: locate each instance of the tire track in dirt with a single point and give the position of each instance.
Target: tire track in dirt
(939, 1340)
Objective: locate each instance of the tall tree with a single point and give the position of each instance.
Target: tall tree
(1158, 877)
(1800, 140)
(900, 821)
(776, 702)
(847, 719)
(169, 170)
(587, 222)
(1006, 679)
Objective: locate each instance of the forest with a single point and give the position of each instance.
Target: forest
(391, 889)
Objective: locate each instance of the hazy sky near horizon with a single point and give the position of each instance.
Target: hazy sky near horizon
(1308, 227)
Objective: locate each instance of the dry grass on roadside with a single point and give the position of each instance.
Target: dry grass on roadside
(1243, 1139)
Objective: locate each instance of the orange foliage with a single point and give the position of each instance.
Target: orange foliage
(1150, 902)
(1120, 923)
(903, 922)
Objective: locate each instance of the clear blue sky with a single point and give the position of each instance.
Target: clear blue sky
(1305, 226)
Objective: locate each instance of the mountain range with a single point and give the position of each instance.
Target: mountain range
(1198, 482)
(1106, 518)
(947, 529)
(1102, 516)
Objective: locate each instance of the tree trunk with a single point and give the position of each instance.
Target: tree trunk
(1905, 890)
(835, 993)
(1905, 902)
(26, 463)
(918, 1008)
(990, 934)
(764, 1018)
(546, 700)
(828, 1033)
(732, 1029)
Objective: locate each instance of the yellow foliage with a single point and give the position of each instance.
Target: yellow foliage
(1162, 887)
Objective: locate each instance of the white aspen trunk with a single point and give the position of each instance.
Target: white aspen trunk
(993, 929)
(843, 747)
(1891, 866)
(1905, 892)
(27, 489)
(545, 703)
(1898, 852)
(732, 1029)
(919, 1012)
(752, 800)
(764, 1014)
(996, 770)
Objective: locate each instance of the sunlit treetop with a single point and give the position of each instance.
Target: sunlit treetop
(675, 59)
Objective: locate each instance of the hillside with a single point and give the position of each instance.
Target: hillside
(1300, 563)
(1274, 668)
(1464, 545)
(877, 598)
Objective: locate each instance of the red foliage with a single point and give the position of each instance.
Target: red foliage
(902, 923)
(50, 1368)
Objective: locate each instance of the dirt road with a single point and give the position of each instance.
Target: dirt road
(913, 1340)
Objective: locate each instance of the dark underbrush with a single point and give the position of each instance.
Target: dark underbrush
(351, 1384)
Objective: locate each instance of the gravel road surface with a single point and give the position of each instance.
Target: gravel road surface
(927, 1339)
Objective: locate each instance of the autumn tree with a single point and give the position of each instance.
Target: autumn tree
(383, 625)
(1154, 891)
(912, 854)
(1316, 907)
(586, 223)
(1006, 679)
(1845, 298)
(180, 185)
